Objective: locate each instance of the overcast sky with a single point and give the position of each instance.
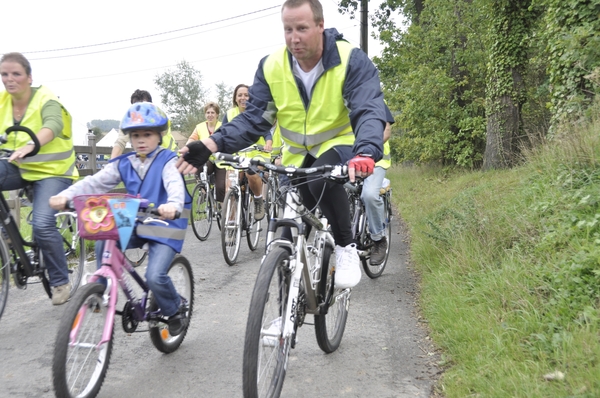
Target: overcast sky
(94, 54)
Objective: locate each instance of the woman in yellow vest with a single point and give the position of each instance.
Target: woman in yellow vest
(49, 171)
(204, 130)
(240, 97)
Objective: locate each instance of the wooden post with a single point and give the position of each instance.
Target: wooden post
(92, 145)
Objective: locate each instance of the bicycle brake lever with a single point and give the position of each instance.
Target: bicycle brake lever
(148, 220)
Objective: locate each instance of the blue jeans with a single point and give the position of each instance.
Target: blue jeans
(45, 232)
(374, 203)
(160, 257)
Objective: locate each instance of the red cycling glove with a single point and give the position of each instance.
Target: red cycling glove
(364, 164)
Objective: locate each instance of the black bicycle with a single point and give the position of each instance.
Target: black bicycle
(360, 226)
(204, 205)
(21, 256)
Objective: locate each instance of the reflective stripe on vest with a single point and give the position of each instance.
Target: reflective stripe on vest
(57, 157)
(325, 123)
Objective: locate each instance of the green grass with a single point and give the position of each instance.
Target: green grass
(510, 268)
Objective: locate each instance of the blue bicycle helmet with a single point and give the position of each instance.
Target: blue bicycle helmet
(144, 115)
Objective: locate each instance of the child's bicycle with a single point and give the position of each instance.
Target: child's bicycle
(295, 278)
(21, 256)
(85, 335)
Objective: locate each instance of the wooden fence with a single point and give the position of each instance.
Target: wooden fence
(90, 160)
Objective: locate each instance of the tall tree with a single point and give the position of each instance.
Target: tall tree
(224, 98)
(510, 30)
(183, 96)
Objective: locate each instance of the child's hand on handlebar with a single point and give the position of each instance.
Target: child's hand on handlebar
(58, 202)
(167, 211)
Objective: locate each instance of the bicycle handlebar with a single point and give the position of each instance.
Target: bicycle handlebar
(337, 173)
(31, 134)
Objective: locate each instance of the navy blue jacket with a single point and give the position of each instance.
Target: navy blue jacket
(361, 92)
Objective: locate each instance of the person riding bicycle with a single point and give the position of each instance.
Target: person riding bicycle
(240, 99)
(168, 140)
(206, 129)
(149, 172)
(374, 206)
(49, 171)
(327, 99)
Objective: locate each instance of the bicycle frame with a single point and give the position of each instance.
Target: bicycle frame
(16, 242)
(295, 216)
(114, 264)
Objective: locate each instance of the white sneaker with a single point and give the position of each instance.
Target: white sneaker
(347, 267)
(272, 334)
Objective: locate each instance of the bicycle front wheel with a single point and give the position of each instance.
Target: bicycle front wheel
(271, 200)
(180, 272)
(329, 328)
(231, 232)
(266, 351)
(253, 227)
(201, 212)
(81, 358)
(4, 274)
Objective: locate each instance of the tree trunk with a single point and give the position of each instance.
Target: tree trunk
(502, 128)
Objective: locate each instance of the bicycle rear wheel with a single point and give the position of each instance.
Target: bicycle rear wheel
(266, 351)
(180, 272)
(329, 328)
(74, 247)
(80, 357)
(253, 227)
(231, 233)
(4, 274)
(202, 212)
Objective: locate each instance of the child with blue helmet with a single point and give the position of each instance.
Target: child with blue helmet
(149, 172)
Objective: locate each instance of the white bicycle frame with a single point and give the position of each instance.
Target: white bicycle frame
(300, 264)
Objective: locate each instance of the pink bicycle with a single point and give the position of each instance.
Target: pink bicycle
(85, 335)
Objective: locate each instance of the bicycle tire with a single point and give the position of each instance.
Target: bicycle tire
(4, 274)
(76, 350)
(271, 200)
(201, 212)
(136, 256)
(231, 232)
(75, 250)
(375, 271)
(329, 327)
(266, 356)
(180, 272)
(253, 227)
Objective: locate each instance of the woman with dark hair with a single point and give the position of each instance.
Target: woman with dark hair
(49, 171)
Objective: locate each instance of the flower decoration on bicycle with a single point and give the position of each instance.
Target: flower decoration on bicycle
(107, 216)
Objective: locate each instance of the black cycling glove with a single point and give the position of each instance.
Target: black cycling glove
(197, 155)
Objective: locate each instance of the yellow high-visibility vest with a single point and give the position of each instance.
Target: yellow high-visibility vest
(324, 123)
(57, 157)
